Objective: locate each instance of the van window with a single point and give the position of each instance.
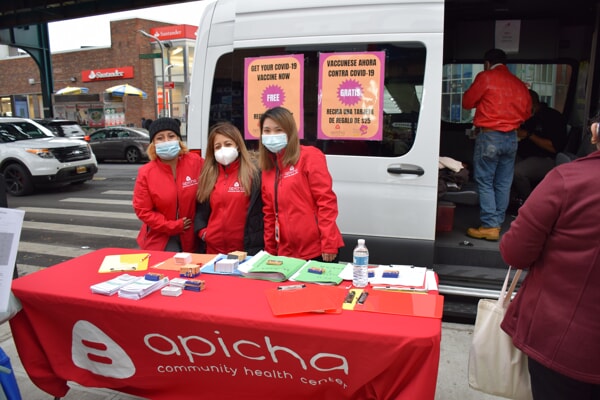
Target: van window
(404, 75)
(551, 81)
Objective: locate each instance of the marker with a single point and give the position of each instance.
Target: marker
(291, 287)
(363, 298)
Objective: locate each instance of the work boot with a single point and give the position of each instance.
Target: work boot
(484, 233)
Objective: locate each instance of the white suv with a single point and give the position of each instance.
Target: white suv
(31, 156)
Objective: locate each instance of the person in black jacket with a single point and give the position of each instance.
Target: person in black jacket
(540, 138)
(229, 214)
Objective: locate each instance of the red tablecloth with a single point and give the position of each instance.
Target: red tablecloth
(221, 343)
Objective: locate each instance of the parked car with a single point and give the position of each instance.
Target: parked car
(120, 143)
(31, 156)
(64, 128)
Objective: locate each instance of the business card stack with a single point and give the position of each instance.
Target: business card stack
(112, 286)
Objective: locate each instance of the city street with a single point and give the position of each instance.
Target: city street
(75, 219)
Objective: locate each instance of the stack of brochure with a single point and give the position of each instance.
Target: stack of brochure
(271, 268)
(112, 286)
(141, 288)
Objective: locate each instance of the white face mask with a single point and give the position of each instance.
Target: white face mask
(226, 155)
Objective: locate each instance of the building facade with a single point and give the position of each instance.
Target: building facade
(158, 69)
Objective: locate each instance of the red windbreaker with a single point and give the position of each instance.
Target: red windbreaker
(229, 210)
(161, 202)
(502, 100)
(306, 206)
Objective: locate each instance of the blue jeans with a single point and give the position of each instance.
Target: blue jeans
(493, 169)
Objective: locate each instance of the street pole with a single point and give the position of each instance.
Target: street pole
(162, 64)
(167, 68)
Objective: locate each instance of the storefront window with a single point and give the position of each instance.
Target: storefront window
(5, 108)
(177, 67)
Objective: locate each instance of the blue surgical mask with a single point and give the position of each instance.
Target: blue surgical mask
(167, 150)
(275, 143)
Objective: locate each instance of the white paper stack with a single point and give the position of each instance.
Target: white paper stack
(226, 265)
(113, 285)
(141, 288)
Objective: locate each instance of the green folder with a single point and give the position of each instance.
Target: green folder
(274, 268)
(320, 272)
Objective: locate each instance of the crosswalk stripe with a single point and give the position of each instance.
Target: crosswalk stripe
(124, 233)
(52, 249)
(119, 192)
(80, 213)
(97, 201)
(26, 269)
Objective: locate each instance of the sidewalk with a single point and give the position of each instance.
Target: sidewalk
(451, 385)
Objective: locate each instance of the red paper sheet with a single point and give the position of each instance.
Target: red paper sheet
(312, 298)
(402, 303)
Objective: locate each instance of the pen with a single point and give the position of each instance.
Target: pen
(123, 269)
(400, 289)
(291, 287)
(145, 258)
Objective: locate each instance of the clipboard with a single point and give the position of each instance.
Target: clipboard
(309, 299)
(402, 303)
(125, 263)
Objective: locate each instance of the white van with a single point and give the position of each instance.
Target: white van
(387, 188)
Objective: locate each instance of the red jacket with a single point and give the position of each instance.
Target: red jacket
(161, 202)
(307, 208)
(555, 316)
(229, 207)
(502, 100)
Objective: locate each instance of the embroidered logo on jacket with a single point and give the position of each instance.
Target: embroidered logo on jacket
(290, 172)
(189, 182)
(236, 188)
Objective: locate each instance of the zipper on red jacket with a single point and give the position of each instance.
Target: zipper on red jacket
(276, 205)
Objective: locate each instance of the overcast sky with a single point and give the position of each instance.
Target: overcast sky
(95, 31)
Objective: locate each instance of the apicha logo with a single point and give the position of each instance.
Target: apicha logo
(290, 172)
(94, 351)
(189, 181)
(236, 188)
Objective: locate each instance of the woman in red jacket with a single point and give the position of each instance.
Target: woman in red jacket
(229, 215)
(555, 317)
(164, 196)
(299, 204)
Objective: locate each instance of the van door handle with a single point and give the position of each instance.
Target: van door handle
(406, 169)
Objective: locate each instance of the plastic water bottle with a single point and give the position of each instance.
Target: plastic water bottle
(360, 261)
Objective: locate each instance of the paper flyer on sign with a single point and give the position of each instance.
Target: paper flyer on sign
(11, 222)
(273, 81)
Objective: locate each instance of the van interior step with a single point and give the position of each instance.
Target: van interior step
(456, 248)
(475, 277)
